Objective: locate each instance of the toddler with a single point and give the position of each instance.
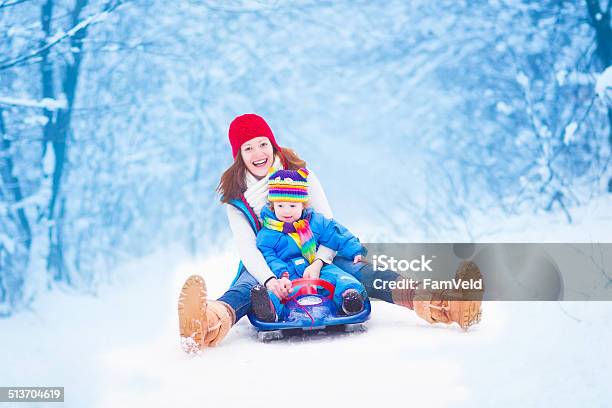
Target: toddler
(289, 240)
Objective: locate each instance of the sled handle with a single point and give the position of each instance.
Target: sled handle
(308, 284)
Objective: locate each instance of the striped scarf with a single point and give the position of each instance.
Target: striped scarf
(300, 232)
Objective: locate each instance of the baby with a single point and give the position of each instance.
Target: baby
(289, 240)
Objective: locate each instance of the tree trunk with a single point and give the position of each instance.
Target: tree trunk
(58, 138)
(11, 183)
(600, 20)
(11, 273)
(46, 71)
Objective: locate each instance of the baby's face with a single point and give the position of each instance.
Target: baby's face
(288, 211)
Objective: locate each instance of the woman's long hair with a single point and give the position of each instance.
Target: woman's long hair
(233, 184)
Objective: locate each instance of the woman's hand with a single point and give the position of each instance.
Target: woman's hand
(313, 271)
(280, 287)
(286, 286)
(357, 259)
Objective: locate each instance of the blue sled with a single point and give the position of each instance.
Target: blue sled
(310, 309)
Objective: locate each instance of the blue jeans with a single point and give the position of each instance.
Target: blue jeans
(238, 296)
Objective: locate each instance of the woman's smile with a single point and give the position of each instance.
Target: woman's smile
(260, 163)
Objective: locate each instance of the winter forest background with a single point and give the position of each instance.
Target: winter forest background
(418, 116)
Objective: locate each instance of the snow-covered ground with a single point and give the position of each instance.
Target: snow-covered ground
(121, 347)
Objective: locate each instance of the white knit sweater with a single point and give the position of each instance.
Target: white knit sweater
(257, 196)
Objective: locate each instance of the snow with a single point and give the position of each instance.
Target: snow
(33, 200)
(56, 37)
(111, 47)
(46, 103)
(570, 130)
(604, 81)
(121, 347)
(49, 160)
(580, 78)
(522, 79)
(36, 120)
(6, 241)
(592, 223)
(504, 108)
(561, 75)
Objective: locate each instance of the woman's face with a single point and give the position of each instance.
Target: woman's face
(257, 155)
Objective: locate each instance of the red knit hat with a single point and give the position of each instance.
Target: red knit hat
(249, 126)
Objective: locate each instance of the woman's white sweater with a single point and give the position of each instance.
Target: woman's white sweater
(257, 197)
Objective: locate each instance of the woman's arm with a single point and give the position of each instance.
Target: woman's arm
(246, 244)
(319, 203)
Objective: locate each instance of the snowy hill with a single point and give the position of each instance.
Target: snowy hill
(121, 348)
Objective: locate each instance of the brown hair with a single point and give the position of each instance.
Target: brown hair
(232, 184)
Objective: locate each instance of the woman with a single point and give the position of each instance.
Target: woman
(243, 188)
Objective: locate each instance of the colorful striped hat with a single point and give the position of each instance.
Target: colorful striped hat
(288, 185)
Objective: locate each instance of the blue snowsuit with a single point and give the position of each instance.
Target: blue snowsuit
(283, 254)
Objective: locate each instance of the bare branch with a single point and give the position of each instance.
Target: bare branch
(7, 3)
(60, 36)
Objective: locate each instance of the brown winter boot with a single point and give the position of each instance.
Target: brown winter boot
(446, 306)
(202, 322)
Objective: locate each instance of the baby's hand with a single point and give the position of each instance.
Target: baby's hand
(312, 273)
(313, 270)
(357, 259)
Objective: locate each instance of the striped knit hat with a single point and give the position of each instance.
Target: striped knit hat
(288, 185)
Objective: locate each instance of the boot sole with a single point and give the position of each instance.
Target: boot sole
(192, 314)
(470, 312)
(352, 299)
(262, 306)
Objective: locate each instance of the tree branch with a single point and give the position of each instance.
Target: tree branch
(60, 36)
